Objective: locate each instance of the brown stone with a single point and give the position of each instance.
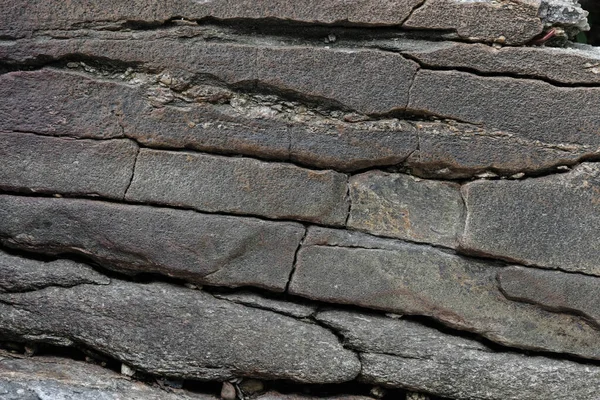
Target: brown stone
(239, 186)
(404, 207)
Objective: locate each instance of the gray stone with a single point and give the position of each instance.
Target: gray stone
(454, 150)
(551, 221)
(19, 274)
(280, 396)
(211, 249)
(531, 109)
(60, 104)
(352, 146)
(251, 299)
(563, 65)
(52, 378)
(564, 13)
(59, 165)
(553, 290)
(46, 95)
(419, 280)
(381, 87)
(514, 23)
(21, 18)
(398, 353)
(180, 333)
(405, 207)
(239, 186)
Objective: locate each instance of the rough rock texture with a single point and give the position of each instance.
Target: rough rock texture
(207, 190)
(515, 22)
(132, 318)
(410, 279)
(50, 378)
(239, 186)
(407, 354)
(19, 274)
(401, 206)
(212, 249)
(532, 109)
(530, 221)
(553, 290)
(56, 165)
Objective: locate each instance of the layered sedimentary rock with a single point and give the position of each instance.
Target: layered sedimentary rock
(384, 195)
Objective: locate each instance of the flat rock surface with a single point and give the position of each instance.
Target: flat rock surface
(411, 279)
(212, 249)
(535, 221)
(239, 186)
(34, 163)
(489, 21)
(406, 354)
(401, 206)
(200, 336)
(553, 290)
(530, 109)
(52, 378)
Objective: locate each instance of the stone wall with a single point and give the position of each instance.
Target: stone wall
(289, 199)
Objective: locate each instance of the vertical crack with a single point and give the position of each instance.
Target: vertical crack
(135, 161)
(349, 198)
(287, 286)
(415, 8)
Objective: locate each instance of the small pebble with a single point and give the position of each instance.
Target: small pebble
(127, 370)
(378, 392)
(228, 391)
(416, 396)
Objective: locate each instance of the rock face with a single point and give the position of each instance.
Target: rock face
(503, 217)
(407, 354)
(239, 186)
(219, 250)
(419, 280)
(329, 198)
(152, 313)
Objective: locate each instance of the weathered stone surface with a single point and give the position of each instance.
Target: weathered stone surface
(515, 22)
(19, 274)
(529, 108)
(381, 87)
(404, 207)
(352, 146)
(455, 150)
(25, 17)
(172, 331)
(563, 65)
(58, 165)
(405, 354)
(419, 280)
(52, 378)
(211, 249)
(239, 186)
(251, 299)
(564, 13)
(55, 103)
(41, 99)
(551, 221)
(553, 290)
